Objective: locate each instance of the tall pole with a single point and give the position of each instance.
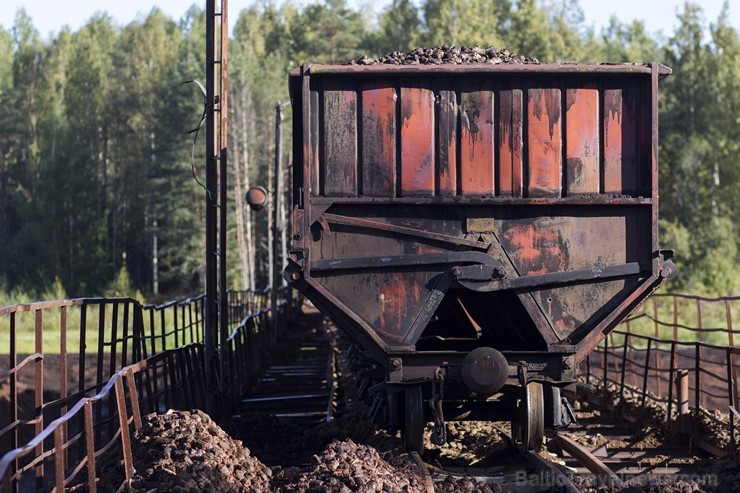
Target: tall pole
(215, 202)
(211, 307)
(276, 220)
(223, 199)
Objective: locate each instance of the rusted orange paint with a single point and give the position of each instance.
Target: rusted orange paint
(582, 140)
(536, 246)
(447, 144)
(379, 140)
(340, 144)
(417, 141)
(620, 140)
(510, 143)
(476, 143)
(399, 299)
(544, 142)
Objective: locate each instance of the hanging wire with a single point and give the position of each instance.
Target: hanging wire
(196, 130)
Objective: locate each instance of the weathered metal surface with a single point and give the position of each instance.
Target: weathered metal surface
(389, 301)
(447, 143)
(510, 169)
(339, 171)
(602, 199)
(549, 170)
(544, 142)
(311, 129)
(582, 139)
(417, 141)
(413, 232)
(476, 141)
(410, 138)
(543, 254)
(620, 139)
(653, 107)
(379, 139)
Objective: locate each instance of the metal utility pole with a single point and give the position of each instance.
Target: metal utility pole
(216, 161)
(223, 206)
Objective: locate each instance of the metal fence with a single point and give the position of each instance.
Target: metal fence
(678, 350)
(81, 372)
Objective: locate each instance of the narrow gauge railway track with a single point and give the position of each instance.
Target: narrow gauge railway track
(520, 472)
(603, 449)
(300, 388)
(300, 384)
(624, 450)
(297, 390)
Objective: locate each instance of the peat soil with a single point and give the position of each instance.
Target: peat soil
(186, 451)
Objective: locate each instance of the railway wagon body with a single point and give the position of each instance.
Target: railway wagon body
(476, 229)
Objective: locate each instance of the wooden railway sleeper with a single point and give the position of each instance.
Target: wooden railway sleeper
(439, 431)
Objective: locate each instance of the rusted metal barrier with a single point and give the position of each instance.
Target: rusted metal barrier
(678, 350)
(78, 430)
(59, 351)
(252, 337)
(158, 348)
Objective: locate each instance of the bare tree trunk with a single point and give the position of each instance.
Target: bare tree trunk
(285, 207)
(249, 237)
(239, 201)
(270, 230)
(155, 253)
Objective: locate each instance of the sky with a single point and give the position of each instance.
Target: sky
(50, 16)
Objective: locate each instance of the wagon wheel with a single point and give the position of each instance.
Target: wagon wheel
(531, 429)
(413, 422)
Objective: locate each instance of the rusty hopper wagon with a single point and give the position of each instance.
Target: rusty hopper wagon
(476, 229)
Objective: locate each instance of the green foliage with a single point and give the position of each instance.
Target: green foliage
(121, 287)
(628, 42)
(699, 145)
(95, 162)
(399, 29)
(706, 256)
(328, 32)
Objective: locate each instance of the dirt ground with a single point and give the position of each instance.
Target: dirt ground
(185, 451)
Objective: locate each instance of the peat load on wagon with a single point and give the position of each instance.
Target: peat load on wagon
(440, 209)
(446, 54)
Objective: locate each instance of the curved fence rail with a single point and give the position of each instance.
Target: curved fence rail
(678, 350)
(77, 374)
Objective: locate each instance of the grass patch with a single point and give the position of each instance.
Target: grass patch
(680, 318)
(108, 324)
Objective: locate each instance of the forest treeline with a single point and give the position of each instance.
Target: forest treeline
(97, 194)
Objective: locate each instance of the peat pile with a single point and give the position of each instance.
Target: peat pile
(457, 484)
(478, 443)
(289, 442)
(345, 467)
(186, 451)
(444, 55)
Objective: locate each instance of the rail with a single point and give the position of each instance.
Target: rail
(678, 351)
(63, 358)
